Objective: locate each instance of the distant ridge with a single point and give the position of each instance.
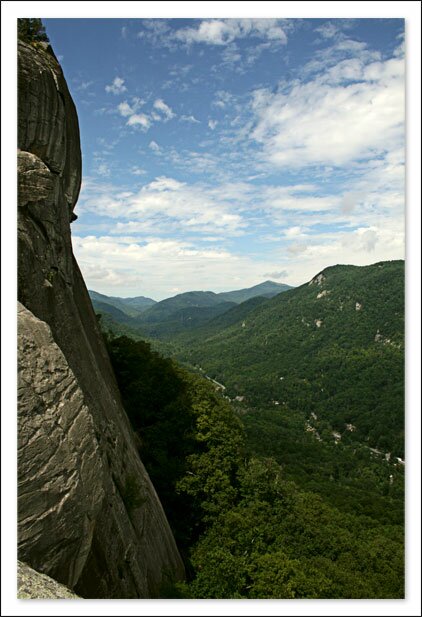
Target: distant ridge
(132, 307)
(267, 289)
(182, 312)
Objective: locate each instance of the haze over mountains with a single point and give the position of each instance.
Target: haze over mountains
(129, 306)
(180, 312)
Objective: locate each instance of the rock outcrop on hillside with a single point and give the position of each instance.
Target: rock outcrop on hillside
(79, 521)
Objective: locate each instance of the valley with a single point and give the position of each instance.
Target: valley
(313, 377)
(225, 442)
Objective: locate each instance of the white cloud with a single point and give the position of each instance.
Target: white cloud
(129, 111)
(155, 30)
(292, 232)
(125, 109)
(84, 85)
(230, 54)
(350, 201)
(223, 99)
(225, 31)
(277, 275)
(154, 146)
(190, 118)
(138, 171)
(212, 124)
(174, 263)
(325, 122)
(328, 30)
(177, 266)
(168, 204)
(164, 109)
(139, 120)
(102, 169)
(123, 265)
(117, 87)
(194, 162)
(295, 197)
(372, 231)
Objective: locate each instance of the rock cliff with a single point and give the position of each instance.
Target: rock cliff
(78, 467)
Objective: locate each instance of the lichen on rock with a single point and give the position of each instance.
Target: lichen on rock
(33, 585)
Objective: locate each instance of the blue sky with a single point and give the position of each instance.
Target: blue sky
(222, 152)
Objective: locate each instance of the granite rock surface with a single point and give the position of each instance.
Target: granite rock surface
(82, 455)
(33, 585)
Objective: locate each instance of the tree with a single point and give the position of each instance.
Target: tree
(32, 30)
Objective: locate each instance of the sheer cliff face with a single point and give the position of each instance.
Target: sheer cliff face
(77, 457)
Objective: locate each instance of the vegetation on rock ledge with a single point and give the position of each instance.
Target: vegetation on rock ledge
(31, 30)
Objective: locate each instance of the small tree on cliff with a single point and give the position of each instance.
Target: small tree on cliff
(31, 31)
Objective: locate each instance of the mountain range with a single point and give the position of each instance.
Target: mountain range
(332, 347)
(130, 307)
(181, 312)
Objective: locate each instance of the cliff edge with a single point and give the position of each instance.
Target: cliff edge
(88, 515)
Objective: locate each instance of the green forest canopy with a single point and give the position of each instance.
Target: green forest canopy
(244, 528)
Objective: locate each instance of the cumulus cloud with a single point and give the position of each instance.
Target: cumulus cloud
(225, 31)
(231, 54)
(170, 204)
(363, 239)
(129, 111)
(125, 109)
(166, 112)
(331, 138)
(292, 232)
(176, 211)
(117, 86)
(352, 112)
(140, 120)
(233, 207)
(182, 261)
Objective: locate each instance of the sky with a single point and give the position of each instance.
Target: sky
(218, 153)
(90, 53)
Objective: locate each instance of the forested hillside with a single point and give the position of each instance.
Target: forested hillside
(281, 473)
(331, 349)
(244, 528)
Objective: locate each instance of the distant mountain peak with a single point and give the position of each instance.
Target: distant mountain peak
(268, 289)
